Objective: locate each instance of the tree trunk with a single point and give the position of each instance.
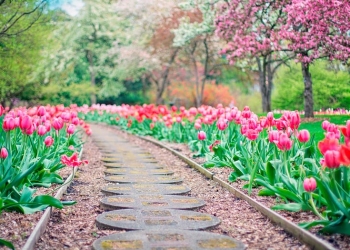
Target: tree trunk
(308, 98)
(205, 74)
(92, 75)
(164, 79)
(265, 89)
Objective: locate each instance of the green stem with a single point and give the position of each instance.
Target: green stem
(286, 169)
(314, 209)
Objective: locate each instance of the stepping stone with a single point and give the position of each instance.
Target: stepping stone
(138, 171)
(143, 179)
(131, 165)
(147, 201)
(120, 160)
(167, 239)
(142, 219)
(136, 165)
(145, 189)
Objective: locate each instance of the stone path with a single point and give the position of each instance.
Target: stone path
(144, 196)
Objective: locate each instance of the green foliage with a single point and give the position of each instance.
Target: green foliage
(330, 88)
(67, 94)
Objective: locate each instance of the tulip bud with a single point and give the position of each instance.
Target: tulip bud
(3, 153)
(48, 141)
(202, 135)
(310, 184)
(304, 135)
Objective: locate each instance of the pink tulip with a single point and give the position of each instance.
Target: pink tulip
(304, 135)
(325, 125)
(221, 124)
(57, 123)
(75, 121)
(274, 136)
(25, 122)
(41, 130)
(331, 159)
(66, 116)
(3, 153)
(252, 134)
(2, 110)
(310, 184)
(202, 135)
(41, 111)
(9, 124)
(70, 129)
(197, 125)
(48, 141)
(284, 142)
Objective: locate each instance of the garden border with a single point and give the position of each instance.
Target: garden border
(298, 232)
(42, 224)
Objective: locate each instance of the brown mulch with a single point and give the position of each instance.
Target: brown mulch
(74, 227)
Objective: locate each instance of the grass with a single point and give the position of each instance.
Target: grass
(315, 128)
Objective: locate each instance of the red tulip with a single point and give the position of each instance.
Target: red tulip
(328, 144)
(3, 153)
(202, 135)
(332, 159)
(72, 161)
(304, 135)
(48, 141)
(344, 155)
(310, 184)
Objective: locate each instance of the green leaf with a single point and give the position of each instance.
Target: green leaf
(293, 207)
(49, 200)
(27, 194)
(270, 172)
(287, 194)
(6, 244)
(342, 228)
(307, 225)
(68, 203)
(266, 192)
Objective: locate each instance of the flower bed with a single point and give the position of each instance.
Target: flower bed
(36, 143)
(265, 153)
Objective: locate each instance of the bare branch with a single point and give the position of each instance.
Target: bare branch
(13, 21)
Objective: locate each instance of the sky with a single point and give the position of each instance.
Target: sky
(71, 7)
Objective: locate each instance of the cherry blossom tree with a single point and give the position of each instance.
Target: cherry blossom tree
(316, 29)
(251, 29)
(309, 29)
